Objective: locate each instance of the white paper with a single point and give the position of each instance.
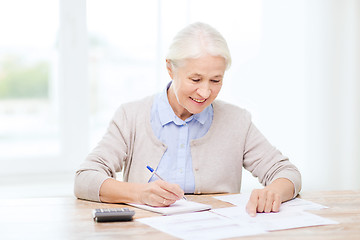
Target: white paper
(200, 225)
(235, 222)
(181, 206)
(301, 204)
(284, 219)
(242, 199)
(236, 199)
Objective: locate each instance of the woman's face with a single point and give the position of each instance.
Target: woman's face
(196, 84)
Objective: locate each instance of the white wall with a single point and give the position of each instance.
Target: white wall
(304, 88)
(333, 95)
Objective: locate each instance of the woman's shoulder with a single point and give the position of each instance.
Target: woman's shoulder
(230, 119)
(136, 108)
(229, 110)
(140, 104)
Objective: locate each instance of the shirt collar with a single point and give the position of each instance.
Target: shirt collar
(167, 115)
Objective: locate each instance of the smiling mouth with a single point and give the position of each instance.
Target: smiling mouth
(198, 100)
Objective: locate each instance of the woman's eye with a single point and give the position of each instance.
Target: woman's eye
(195, 79)
(215, 81)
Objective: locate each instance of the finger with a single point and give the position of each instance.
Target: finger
(167, 202)
(157, 192)
(251, 206)
(172, 191)
(269, 202)
(154, 200)
(158, 201)
(167, 197)
(276, 203)
(251, 209)
(153, 194)
(261, 201)
(176, 190)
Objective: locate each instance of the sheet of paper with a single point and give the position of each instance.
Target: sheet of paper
(181, 206)
(235, 222)
(201, 225)
(236, 199)
(301, 204)
(298, 203)
(285, 219)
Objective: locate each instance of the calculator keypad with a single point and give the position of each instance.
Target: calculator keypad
(113, 214)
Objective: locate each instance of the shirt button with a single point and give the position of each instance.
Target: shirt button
(182, 145)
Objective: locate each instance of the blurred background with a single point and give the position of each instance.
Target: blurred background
(65, 67)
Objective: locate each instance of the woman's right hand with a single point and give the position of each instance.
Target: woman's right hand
(160, 193)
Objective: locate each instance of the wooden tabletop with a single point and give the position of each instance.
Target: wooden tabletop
(70, 218)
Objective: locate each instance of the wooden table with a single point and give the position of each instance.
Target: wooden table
(70, 218)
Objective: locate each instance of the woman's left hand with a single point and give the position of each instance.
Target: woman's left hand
(270, 198)
(263, 200)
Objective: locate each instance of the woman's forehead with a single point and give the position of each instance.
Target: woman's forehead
(195, 74)
(214, 66)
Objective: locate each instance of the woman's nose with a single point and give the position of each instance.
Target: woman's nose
(204, 91)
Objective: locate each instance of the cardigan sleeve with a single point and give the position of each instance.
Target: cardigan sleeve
(266, 162)
(105, 160)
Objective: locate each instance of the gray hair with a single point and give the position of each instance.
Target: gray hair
(196, 40)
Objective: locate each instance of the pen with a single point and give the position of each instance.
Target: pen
(153, 171)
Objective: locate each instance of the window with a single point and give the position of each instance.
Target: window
(43, 104)
(122, 56)
(28, 93)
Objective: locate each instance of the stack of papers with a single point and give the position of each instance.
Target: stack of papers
(291, 214)
(200, 225)
(234, 221)
(294, 204)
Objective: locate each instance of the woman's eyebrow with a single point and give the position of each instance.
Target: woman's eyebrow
(200, 75)
(196, 74)
(218, 76)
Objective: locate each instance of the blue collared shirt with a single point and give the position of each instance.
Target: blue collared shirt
(176, 163)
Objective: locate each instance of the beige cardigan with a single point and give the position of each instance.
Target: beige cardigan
(231, 143)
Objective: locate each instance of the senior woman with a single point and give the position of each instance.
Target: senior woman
(196, 143)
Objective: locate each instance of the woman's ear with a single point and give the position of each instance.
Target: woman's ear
(169, 67)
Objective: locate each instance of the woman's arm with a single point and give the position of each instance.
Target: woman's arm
(274, 170)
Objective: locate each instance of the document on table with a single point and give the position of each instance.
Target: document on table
(297, 203)
(181, 206)
(201, 225)
(285, 219)
(301, 204)
(235, 222)
(291, 214)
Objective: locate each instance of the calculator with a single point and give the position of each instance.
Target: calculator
(113, 214)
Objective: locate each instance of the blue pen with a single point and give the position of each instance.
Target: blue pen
(153, 171)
